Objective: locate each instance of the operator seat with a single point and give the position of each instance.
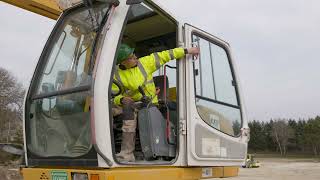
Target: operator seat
(159, 82)
(167, 106)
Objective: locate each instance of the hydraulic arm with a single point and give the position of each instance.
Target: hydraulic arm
(47, 8)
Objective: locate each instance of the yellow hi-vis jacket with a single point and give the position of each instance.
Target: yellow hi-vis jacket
(141, 75)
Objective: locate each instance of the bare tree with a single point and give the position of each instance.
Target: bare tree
(11, 105)
(312, 134)
(281, 132)
(12, 93)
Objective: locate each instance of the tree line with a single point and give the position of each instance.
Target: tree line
(285, 136)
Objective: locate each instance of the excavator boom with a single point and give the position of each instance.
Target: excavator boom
(47, 8)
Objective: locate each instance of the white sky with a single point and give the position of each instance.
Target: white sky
(275, 45)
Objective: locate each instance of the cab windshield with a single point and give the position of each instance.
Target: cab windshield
(58, 106)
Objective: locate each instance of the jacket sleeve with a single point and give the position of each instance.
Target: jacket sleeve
(155, 60)
(117, 99)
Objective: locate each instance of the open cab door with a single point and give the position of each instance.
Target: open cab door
(216, 125)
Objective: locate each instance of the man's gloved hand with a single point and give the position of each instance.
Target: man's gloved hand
(158, 90)
(127, 109)
(127, 100)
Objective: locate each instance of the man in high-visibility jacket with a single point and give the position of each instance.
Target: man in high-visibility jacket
(132, 73)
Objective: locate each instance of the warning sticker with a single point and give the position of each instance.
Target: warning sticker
(59, 175)
(210, 147)
(223, 151)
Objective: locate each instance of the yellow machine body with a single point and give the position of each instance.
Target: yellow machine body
(134, 173)
(47, 8)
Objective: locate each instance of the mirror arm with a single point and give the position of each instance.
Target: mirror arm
(132, 2)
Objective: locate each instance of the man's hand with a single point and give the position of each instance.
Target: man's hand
(127, 100)
(157, 90)
(194, 51)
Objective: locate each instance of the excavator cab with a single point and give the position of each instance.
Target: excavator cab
(200, 120)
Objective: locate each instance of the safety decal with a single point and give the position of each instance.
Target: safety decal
(59, 175)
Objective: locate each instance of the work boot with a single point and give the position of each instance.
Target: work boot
(127, 147)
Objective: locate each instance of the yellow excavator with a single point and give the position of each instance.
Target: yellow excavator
(70, 132)
(47, 8)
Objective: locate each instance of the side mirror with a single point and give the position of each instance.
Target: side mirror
(132, 2)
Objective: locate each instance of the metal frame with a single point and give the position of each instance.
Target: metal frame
(159, 11)
(47, 8)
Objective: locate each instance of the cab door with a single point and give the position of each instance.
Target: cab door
(215, 117)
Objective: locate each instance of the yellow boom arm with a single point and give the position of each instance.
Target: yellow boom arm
(47, 8)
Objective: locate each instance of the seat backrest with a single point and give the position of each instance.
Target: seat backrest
(159, 82)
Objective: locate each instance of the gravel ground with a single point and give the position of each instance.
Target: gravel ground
(271, 168)
(10, 173)
(282, 169)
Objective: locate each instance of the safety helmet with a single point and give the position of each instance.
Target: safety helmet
(123, 53)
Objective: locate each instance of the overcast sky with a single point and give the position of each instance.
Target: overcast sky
(275, 45)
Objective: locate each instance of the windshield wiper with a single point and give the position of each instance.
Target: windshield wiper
(95, 42)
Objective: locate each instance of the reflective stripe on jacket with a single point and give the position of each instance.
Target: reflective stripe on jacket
(141, 75)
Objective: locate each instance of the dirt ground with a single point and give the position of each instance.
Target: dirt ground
(282, 169)
(9, 173)
(271, 168)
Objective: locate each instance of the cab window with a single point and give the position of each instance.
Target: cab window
(58, 119)
(215, 88)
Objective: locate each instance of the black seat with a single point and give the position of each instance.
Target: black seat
(169, 107)
(159, 82)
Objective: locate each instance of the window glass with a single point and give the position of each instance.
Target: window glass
(216, 97)
(60, 125)
(205, 79)
(224, 88)
(172, 73)
(224, 118)
(139, 10)
(68, 62)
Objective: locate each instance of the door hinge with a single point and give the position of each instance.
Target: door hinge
(245, 133)
(183, 126)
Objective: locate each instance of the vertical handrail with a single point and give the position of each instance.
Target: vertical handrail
(200, 71)
(165, 102)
